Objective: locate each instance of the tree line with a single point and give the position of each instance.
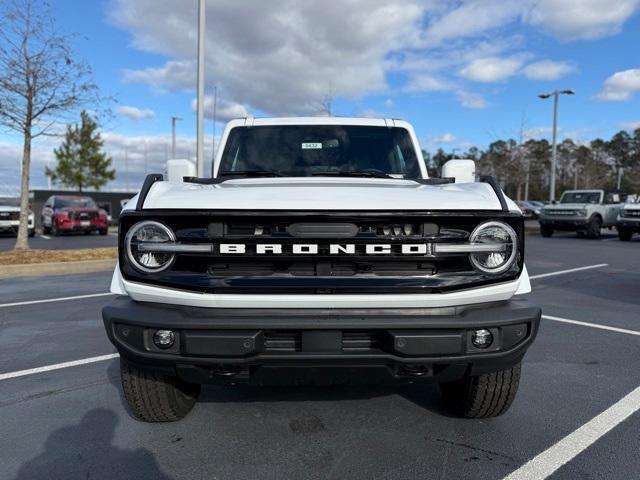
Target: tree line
(523, 169)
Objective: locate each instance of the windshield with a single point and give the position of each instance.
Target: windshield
(9, 202)
(314, 150)
(580, 197)
(74, 202)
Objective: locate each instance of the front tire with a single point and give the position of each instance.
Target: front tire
(546, 231)
(594, 227)
(103, 231)
(624, 234)
(482, 396)
(155, 397)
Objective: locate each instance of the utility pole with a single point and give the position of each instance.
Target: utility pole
(200, 86)
(173, 135)
(555, 94)
(213, 141)
(619, 177)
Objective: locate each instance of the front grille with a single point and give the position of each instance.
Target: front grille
(83, 215)
(349, 271)
(631, 213)
(352, 341)
(9, 215)
(561, 212)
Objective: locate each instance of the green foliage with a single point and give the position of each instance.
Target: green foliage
(81, 163)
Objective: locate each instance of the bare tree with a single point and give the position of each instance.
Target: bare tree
(40, 82)
(324, 106)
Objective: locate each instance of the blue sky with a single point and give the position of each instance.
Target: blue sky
(463, 72)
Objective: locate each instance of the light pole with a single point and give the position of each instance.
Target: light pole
(200, 86)
(555, 94)
(173, 135)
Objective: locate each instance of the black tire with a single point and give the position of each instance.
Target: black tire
(46, 230)
(32, 232)
(483, 396)
(624, 234)
(546, 231)
(54, 230)
(155, 397)
(594, 227)
(104, 231)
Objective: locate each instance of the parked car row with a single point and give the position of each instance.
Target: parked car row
(586, 212)
(60, 214)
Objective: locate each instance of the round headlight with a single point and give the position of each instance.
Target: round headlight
(140, 241)
(504, 238)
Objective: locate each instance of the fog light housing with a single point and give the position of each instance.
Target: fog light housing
(481, 338)
(164, 338)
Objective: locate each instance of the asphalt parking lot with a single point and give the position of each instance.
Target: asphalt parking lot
(70, 422)
(63, 242)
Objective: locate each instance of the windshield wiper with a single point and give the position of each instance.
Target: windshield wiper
(369, 173)
(250, 173)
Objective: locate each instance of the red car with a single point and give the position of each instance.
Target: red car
(73, 213)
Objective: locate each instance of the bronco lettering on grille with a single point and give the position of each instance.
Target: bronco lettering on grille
(421, 249)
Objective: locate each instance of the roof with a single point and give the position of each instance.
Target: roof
(355, 121)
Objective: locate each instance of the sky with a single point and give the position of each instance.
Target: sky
(462, 72)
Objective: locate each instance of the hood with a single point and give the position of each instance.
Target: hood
(632, 206)
(568, 206)
(322, 194)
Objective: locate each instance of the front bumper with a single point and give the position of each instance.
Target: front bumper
(629, 223)
(224, 345)
(570, 223)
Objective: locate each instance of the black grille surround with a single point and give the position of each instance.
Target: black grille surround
(322, 273)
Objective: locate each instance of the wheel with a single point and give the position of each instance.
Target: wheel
(54, 229)
(580, 233)
(88, 232)
(46, 230)
(593, 229)
(155, 397)
(104, 231)
(32, 232)
(546, 230)
(624, 234)
(482, 396)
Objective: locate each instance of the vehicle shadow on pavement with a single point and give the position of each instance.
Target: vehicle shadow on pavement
(86, 451)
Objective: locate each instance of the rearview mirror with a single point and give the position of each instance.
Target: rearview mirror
(461, 170)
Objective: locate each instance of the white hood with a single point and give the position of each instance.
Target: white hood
(322, 194)
(8, 208)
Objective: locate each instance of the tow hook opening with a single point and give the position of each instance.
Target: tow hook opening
(226, 370)
(415, 370)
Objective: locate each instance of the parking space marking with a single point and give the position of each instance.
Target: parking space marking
(45, 237)
(571, 270)
(48, 300)
(546, 463)
(57, 366)
(592, 325)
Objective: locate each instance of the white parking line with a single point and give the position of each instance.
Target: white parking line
(547, 462)
(571, 270)
(592, 325)
(61, 299)
(57, 366)
(45, 237)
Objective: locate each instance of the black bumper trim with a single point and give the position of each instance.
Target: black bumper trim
(393, 322)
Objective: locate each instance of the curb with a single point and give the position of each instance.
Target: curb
(57, 268)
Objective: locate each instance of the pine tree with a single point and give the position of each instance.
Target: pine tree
(81, 162)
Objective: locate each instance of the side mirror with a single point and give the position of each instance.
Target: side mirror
(463, 171)
(179, 168)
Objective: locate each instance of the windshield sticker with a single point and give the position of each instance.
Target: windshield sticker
(312, 146)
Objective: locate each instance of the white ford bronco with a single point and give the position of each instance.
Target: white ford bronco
(582, 211)
(628, 221)
(320, 252)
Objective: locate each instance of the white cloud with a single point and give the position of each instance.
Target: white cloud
(471, 100)
(491, 69)
(620, 86)
(389, 103)
(580, 19)
(547, 70)
(631, 125)
(225, 110)
(425, 82)
(445, 138)
(135, 114)
(277, 57)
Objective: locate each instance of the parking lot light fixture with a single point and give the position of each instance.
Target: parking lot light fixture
(555, 94)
